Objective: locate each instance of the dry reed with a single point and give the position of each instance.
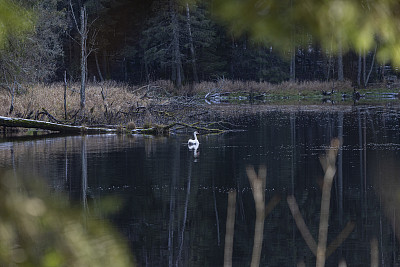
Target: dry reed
(124, 103)
(120, 100)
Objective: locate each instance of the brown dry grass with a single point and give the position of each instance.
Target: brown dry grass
(121, 100)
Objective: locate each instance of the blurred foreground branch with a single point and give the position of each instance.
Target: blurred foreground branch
(37, 230)
(230, 228)
(329, 166)
(320, 250)
(257, 183)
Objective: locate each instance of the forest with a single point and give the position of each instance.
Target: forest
(137, 42)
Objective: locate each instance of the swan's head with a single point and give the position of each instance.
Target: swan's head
(196, 132)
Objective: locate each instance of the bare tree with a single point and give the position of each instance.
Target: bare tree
(362, 66)
(83, 34)
(340, 62)
(359, 69)
(175, 46)
(293, 64)
(372, 66)
(192, 52)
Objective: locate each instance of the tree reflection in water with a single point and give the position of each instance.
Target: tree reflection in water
(167, 226)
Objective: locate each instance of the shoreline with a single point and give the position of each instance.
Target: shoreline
(120, 104)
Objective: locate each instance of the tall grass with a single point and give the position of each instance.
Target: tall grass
(122, 102)
(119, 99)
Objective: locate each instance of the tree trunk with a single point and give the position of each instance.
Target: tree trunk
(340, 63)
(125, 69)
(175, 45)
(232, 69)
(12, 92)
(293, 65)
(65, 95)
(83, 33)
(105, 65)
(359, 70)
(329, 66)
(364, 69)
(293, 48)
(372, 66)
(192, 52)
(98, 67)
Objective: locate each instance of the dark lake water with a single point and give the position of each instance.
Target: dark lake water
(174, 200)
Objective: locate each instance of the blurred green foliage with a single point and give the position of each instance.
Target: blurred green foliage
(352, 24)
(38, 230)
(14, 19)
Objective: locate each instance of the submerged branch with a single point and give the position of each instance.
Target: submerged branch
(165, 129)
(192, 126)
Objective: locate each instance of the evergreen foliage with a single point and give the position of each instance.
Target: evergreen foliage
(141, 41)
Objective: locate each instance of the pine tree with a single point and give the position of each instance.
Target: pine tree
(206, 42)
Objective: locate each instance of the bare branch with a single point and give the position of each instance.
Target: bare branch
(301, 225)
(73, 16)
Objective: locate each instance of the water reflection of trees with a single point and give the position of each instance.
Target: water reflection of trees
(159, 205)
(258, 182)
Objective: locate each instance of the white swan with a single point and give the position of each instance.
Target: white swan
(195, 142)
(194, 145)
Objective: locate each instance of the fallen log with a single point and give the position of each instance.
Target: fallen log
(51, 126)
(70, 129)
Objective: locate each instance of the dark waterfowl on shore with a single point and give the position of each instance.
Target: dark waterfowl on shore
(327, 93)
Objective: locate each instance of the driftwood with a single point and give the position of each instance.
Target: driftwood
(165, 129)
(193, 126)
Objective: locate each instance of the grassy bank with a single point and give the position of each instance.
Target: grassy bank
(158, 102)
(118, 103)
(289, 88)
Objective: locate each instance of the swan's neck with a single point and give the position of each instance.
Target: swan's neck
(195, 137)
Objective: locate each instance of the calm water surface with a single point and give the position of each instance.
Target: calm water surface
(174, 206)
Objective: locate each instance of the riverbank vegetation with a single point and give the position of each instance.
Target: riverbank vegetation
(109, 104)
